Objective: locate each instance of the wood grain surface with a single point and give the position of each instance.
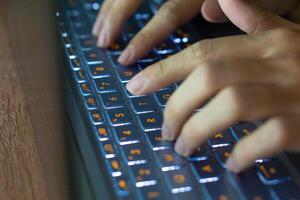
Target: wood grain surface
(33, 153)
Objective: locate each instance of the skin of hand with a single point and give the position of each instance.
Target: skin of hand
(246, 78)
(114, 14)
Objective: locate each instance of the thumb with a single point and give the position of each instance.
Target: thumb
(251, 18)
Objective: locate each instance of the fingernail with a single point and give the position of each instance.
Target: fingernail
(231, 165)
(126, 55)
(166, 133)
(136, 84)
(181, 148)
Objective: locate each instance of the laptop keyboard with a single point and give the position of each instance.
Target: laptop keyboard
(127, 129)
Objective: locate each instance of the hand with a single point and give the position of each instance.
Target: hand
(114, 13)
(249, 77)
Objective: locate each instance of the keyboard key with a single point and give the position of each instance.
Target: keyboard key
(71, 52)
(145, 64)
(207, 170)
(121, 185)
(200, 154)
(91, 102)
(287, 190)
(75, 63)
(143, 175)
(92, 57)
(156, 142)
(143, 104)
(105, 84)
(99, 70)
(114, 167)
(166, 47)
(119, 116)
(81, 30)
(186, 195)
(155, 192)
(150, 58)
(150, 121)
(135, 154)
(126, 73)
(242, 129)
(117, 47)
(102, 133)
(87, 43)
(179, 181)
(221, 139)
(81, 75)
(183, 35)
(96, 117)
(246, 181)
(85, 88)
(272, 172)
(169, 160)
(163, 96)
(112, 100)
(108, 149)
(127, 135)
(222, 154)
(222, 189)
(131, 28)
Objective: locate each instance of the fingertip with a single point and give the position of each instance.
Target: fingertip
(232, 165)
(181, 148)
(103, 40)
(167, 133)
(126, 58)
(212, 12)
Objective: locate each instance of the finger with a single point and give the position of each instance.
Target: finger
(103, 11)
(212, 11)
(251, 18)
(275, 135)
(208, 79)
(172, 14)
(114, 20)
(235, 103)
(178, 66)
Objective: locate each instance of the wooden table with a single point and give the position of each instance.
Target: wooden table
(33, 156)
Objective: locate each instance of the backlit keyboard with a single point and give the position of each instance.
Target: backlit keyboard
(125, 130)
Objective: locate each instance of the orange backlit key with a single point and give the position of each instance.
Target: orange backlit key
(102, 133)
(96, 117)
(91, 102)
(179, 180)
(272, 172)
(135, 154)
(114, 166)
(121, 185)
(143, 175)
(108, 149)
(119, 116)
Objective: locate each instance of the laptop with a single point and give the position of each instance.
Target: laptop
(119, 134)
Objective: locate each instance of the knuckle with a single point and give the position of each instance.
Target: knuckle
(202, 50)
(169, 10)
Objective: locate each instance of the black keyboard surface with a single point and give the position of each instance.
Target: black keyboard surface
(126, 129)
